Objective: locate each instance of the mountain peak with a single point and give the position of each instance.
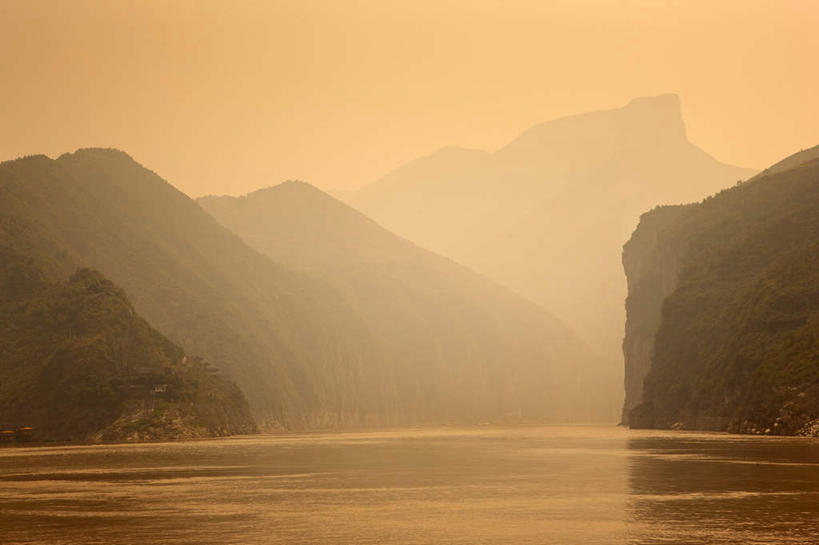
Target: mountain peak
(661, 114)
(289, 189)
(667, 103)
(294, 186)
(643, 122)
(110, 153)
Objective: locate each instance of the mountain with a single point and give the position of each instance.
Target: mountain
(547, 214)
(291, 344)
(299, 349)
(79, 363)
(491, 351)
(723, 308)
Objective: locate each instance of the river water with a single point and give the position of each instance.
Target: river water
(540, 485)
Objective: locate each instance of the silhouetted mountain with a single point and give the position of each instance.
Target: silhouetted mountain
(723, 309)
(300, 350)
(490, 353)
(547, 214)
(79, 363)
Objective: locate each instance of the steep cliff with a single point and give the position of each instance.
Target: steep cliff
(652, 267)
(79, 363)
(547, 214)
(723, 309)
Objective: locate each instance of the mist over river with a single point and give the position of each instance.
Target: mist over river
(535, 485)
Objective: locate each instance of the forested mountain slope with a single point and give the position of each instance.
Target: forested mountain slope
(78, 363)
(723, 309)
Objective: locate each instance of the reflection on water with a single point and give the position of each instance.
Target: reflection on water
(701, 488)
(459, 486)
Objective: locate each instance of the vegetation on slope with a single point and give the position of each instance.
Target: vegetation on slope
(300, 350)
(737, 346)
(282, 337)
(79, 363)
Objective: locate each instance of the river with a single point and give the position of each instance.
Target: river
(534, 485)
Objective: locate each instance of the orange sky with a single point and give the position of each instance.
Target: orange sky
(225, 97)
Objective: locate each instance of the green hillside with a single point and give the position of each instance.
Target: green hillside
(737, 333)
(79, 363)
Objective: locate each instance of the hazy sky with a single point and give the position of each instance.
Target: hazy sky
(225, 97)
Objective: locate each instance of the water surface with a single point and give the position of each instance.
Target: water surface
(543, 485)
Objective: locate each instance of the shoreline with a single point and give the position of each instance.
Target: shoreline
(290, 434)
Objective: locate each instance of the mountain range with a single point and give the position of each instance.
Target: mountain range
(547, 214)
(306, 351)
(435, 317)
(464, 287)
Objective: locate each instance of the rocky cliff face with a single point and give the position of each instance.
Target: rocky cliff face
(652, 269)
(547, 214)
(723, 310)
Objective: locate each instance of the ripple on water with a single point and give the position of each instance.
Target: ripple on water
(557, 484)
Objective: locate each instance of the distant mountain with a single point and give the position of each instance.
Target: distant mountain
(489, 352)
(547, 214)
(79, 363)
(723, 308)
(301, 350)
